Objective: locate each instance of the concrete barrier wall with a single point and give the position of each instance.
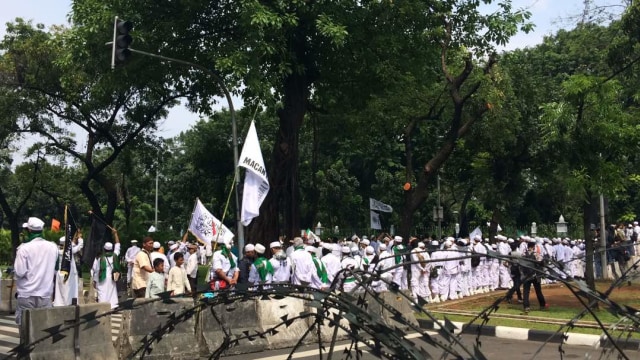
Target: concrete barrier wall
(234, 319)
(180, 343)
(271, 312)
(93, 338)
(7, 296)
(400, 303)
(200, 335)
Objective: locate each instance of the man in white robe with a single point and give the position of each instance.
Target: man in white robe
(301, 263)
(103, 268)
(129, 257)
(280, 263)
(67, 290)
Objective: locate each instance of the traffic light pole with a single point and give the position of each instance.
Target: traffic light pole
(234, 130)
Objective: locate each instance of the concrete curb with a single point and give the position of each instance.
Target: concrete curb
(513, 333)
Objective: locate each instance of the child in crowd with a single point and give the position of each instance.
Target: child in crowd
(155, 284)
(178, 277)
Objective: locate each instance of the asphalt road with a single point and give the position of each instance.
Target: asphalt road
(493, 349)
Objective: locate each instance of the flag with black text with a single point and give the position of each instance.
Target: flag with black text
(256, 183)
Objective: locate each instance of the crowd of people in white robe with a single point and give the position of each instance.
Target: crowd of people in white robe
(440, 271)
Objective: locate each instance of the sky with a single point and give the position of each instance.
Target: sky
(547, 15)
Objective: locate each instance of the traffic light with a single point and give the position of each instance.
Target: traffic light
(122, 40)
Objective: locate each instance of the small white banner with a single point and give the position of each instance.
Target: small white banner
(375, 220)
(379, 206)
(206, 227)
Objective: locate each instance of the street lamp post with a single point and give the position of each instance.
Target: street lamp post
(438, 213)
(534, 229)
(234, 129)
(561, 227)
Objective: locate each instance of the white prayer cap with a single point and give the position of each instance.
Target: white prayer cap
(450, 239)
(573, 242)
(486, 239)
(397, 239)
(173, 247)
(531, 240)
(354, 237)
(477, 238)
(297, 241)
(365, 241)
(635, 223)
(421, 245)
(25, 225)
(494, 246)
(382, 247)
(630, 225)
(448, 243)
(134, 241)
(369, 250)
(62, 239)
(275, 244)
(249, 247)
(108, 246)
(170, 242)
(510, 240)
(354, 248)
(260, 248)
(35, 224)
(501, 238)
(364, 237)
(435, 243)
(346, 250)
(156, 245)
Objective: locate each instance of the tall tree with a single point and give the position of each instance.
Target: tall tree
(62, 83)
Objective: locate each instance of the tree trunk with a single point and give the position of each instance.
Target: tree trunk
(493, 226)
(464, 219)
(588, 218)
(283, 171)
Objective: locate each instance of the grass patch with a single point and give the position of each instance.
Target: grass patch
(493, 321)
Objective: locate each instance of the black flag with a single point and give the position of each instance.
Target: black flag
(69, 232)
(95, 241)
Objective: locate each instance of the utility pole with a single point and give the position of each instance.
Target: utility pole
(603, 241)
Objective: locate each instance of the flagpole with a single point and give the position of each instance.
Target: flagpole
(224, 213)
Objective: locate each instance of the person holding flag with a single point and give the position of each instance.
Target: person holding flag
(224, 267)
(66, 280)
(104, 269)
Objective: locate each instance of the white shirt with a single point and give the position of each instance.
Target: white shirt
(303, 267)
(178, 281)
(131, 253)
(281, 269)
(192, 266)
(35, 267)
(332, 264)
(221, 262)
(158, 255)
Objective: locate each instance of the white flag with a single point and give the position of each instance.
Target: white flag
(256, 184)
(375, 220)
(206, 227)
(475, 232)
(379, 206)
